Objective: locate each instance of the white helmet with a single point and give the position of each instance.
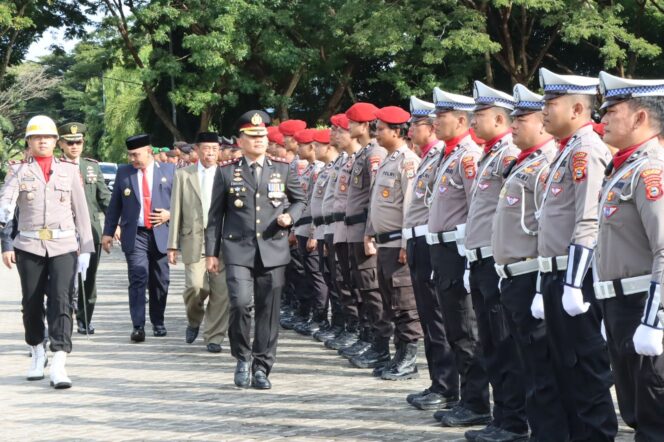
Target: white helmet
(41, 125)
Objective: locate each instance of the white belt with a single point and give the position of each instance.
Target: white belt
(517, 268)
(485, 252)
(630, 286)
(46, 234)
(415, 232)
(434, 238)
(546, 263)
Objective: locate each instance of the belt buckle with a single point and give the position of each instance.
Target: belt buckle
(45, 234)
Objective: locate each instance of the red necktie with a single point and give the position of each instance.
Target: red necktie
(147, 200)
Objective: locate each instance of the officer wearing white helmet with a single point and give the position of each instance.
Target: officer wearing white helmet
(53, 243)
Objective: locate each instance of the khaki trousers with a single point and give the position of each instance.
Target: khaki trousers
(200, 285)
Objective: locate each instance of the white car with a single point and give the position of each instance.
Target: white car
(109, 170)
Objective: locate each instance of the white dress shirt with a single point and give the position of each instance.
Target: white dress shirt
(205, 181)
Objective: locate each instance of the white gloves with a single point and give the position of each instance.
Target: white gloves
(5, 214)
(460, 235)
(602, 330)
(537, 307)
(83, 264)
(466, 279)
(648, 340)
(461, 249)
(573, 301)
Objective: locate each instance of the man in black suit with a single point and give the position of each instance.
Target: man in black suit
(250, 212)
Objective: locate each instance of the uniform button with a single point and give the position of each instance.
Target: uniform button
(258, 195)
(258, 221)
(258, 208)
(258, 235)
(230, 236)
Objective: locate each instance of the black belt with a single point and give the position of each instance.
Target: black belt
(304, 220)
(382, 238)
(319, 220)
(329, 219)
(355, 219)
(338, 216)
(144, 229)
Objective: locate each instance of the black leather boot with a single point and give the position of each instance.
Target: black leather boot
(345, 338)
(378, 354)
(405, 366)
(360, 346)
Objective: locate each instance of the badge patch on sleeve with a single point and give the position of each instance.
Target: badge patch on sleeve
(507, 160)
(469, 167)
(579, 166)
(652, 180)
(409, 167)
(375, 164)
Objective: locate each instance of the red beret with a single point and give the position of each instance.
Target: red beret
(392, 115)
(305, 136)
(274, 136)
(322, 136)
(339, 120)
(289, 127)
(362, 112)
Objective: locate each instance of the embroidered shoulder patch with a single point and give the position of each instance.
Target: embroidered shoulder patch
(652, 180)
(409, 167)
(469, 167)
(579, 166)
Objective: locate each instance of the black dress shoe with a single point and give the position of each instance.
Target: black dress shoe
(213, 348)
(502, 435)
(260, 381)
(473, 435)
(159, 331)
(241, 377)
(434, 401)
(413, 396)
(190, 334)
(138, 335)
(463, 417)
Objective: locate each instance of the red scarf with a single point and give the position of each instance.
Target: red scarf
(492, 142)
(451, 144)
(563, 141)
(525, 153)
(45, 165)
(425, 150)
(621, 156)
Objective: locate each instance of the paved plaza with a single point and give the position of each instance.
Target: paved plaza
(167, 390)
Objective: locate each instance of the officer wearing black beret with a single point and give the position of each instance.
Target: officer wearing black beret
(255, 200)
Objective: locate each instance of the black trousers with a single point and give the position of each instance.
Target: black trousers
(294, 274)
(639, 379)
(580, 362)
(440, 357)
(499, 353)
(396, 288)
(53, 275)
(314, 288)
(90, 288)
(460, 325)
(329, 268)
(256, 288)
(350, 297)
(365, 277)
(148, 268)
(544, 408)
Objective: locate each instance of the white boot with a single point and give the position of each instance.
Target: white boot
(59, 378)
(37, 362)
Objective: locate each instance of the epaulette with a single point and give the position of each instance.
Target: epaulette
(65, 160)
(229, 162)
(278, 159)
(92, 160)
(14, 162)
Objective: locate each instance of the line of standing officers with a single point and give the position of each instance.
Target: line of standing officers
(523, 245)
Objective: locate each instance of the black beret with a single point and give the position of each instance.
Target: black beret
(138, 141)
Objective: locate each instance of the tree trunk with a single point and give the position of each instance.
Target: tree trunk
(335, 99)
(282, 113)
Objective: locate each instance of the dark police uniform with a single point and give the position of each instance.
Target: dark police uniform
(243, 226)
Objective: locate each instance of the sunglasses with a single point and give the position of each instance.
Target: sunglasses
(74, 143)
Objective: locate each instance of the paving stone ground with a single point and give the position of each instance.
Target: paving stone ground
(167, 390)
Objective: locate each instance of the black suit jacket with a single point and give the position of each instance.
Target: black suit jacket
(243, 216)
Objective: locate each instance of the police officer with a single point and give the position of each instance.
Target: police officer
(350, 297)
(340, 294)
(97, 196)
(566, 239)
(449, 202)
(53, 227)
(141, 202)
(630, 248)
(249, 213)
(444, 389)
(326, 151)
(514, 246)
(363, 258)
(491, 122)
(313, 290)
(391, 194)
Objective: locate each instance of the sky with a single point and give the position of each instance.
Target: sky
(42, 46)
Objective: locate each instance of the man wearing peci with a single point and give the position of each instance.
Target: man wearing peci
(190, 204)
(140, 204)
(250, 211)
